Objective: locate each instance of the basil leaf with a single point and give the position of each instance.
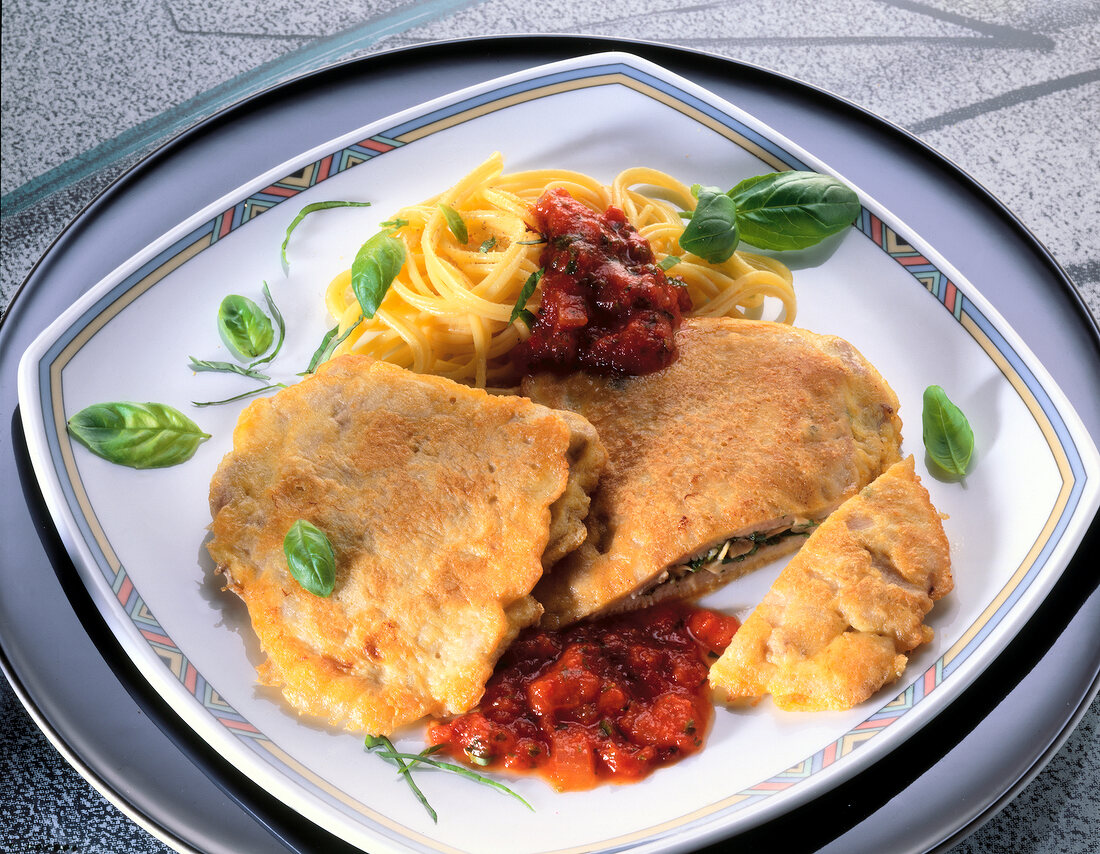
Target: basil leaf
(278, 316)
(524, 295)
(792, 210)
(306, 211)
(310, 558)
(139, 435)
(712, 231)
(244, 327)
(455, 223)
(668, 262)
(947, 433)
(376, 265)
(487, 245)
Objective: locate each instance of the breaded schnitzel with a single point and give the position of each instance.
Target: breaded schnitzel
(437, 499)
(836, 623)
(717, 462)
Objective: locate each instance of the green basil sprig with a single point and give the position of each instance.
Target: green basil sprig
(455, 223)
(310, 557)
(947, 434)
(208, 365)
(405, 763)
(712, 232)
(778, 211)
(139, 435)
(328, 346)
(792, 210)
(376, 265)
(306, 211)
(244, 327)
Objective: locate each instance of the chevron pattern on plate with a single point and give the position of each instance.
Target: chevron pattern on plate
(296, 182)
(923, 270)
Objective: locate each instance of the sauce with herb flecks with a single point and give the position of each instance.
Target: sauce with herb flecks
(607, 307)
(607, 700)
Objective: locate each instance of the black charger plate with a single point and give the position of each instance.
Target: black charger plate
(91, 701)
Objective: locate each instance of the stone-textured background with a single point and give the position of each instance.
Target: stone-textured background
(1007, 89)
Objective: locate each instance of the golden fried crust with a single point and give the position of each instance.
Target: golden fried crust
(587, 459)
(755, 421)
(436, 499)
(834, 627)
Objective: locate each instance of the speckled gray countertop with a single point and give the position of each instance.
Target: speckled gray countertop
(1007, 89)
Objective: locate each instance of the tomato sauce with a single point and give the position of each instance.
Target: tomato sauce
(607, 700)
(607, 307)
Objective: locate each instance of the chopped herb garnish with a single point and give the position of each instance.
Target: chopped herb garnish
(487, 245)
(524, 295)
(374, 742)
(328, 346)
(278, 316)
(260, 390)
(205, 365)
(455, 223)
(406, 762)
(668, 262)
(308, 209)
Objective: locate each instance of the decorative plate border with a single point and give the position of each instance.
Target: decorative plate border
(553, 80)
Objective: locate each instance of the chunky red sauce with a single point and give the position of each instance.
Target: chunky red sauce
(608, 700)
(607, 307)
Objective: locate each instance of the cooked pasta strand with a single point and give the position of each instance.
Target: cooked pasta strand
(448, 310)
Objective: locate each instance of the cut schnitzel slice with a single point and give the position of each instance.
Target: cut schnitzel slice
(837, 622)
(717, 463)
(439, 501)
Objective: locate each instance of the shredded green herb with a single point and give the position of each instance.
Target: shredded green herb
(328, 345)
(524, 295)
(306, 211)
(405, 763)
(206, 366)
(260, 390)
(278, 317)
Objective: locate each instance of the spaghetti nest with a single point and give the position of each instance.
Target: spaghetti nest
(449, 310)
